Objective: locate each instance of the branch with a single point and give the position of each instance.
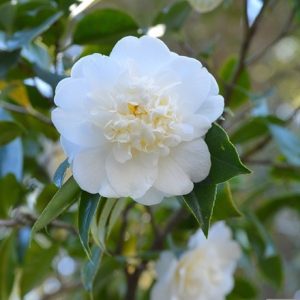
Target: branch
(67, 288)
(27, 111)
(248, 36)
(284, 31)
(24, 219)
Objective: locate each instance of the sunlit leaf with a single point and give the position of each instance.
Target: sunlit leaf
(105, 26)
(64, 197)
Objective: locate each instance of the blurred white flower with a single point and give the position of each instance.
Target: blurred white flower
(203, 272)
(204, 6)
(133, 123)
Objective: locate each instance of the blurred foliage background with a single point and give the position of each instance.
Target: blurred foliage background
(252, 48)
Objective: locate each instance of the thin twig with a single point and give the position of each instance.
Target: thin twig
(27, 111)
(248, 36)
(23, 219)
(64, 289)
(284, 31)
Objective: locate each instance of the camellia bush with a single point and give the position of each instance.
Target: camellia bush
(149, 149)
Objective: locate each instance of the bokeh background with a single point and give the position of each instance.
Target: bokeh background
(252, 48)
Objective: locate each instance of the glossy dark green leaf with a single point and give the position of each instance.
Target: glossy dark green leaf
(87, 208)
(9, 131)
(270, 207)
(242, 87)
(225, 161)
(174, 15)
(64, 197)
(243, 290)
(105, 26)
(90, 268)
(253, 128)
(201, 202)
(10, 194)
(288, 143)
(60, 173)
(225, 207)
(272, 269)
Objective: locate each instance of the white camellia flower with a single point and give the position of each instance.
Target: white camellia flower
(204, 272)
(132, 124)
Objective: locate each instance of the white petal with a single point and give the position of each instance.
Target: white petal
(89, 172)
(132, 178)
(171, 179)
(122, 152)
(214, 89)
(212, 108)
(152, 196)
(76, 128)
(97, 68)
(161, 291)
(146, 54)
(200, 123)
(72, 94)
(194, 159)
(193, 82)
(70, 149)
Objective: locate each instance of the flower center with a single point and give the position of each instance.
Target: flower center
(149, 123)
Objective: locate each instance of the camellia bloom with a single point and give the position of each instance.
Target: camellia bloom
(133, 123)
(204, 272)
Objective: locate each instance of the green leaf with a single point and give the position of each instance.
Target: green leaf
(64, 197)
(99, 225)
(9, 131)
(253, 129)
(51, 78)
(225, 161)
(8, 59)
(225, 207)
(105, 26)
(272, 269)
(23, 37)
(270, 207)
(87, 207)
(201, 203)
(115, 214)
(285, 172)
(10, 193)
(90, 269)
(45, 196)
(243, 290)
(242, 87)
(60, 173)
(174, 15)
(288, 143)
(7, 265)
(37, 265)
